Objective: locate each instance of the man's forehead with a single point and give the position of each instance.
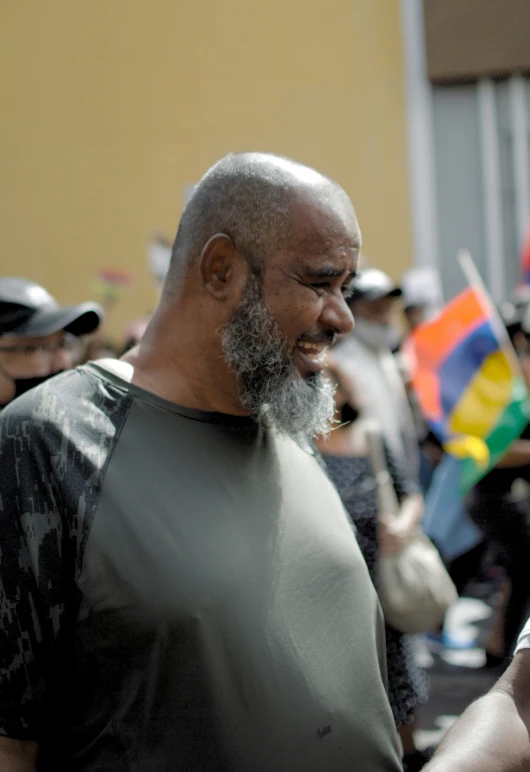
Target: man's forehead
(329, 220)
(323, 254)
(330, 265)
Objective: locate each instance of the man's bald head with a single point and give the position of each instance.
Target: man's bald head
(248, 197)
(262, 264)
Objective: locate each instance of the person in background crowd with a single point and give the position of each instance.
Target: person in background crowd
(484, 509)
(38, 338)
(414, 315)
(346, 457)
(523, 345)
(366, 356)
(98, 347)
(422, 295)
(191, 606)
(493, 734)
(500, 507)
(421, 299)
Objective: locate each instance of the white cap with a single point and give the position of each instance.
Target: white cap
(422, 287)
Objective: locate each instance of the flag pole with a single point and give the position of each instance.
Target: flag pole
(474, 279)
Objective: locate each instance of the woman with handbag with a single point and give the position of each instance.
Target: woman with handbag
(346, 456)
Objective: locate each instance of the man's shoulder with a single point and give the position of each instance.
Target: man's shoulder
(309, 447)
(29, 404)
(64, 392)
(304, 454)
(71, 405)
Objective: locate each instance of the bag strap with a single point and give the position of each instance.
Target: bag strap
(388, 500)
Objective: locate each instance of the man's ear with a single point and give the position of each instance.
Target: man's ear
(220, 266)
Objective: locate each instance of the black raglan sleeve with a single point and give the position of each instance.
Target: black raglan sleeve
(33, 572)
(55, 445)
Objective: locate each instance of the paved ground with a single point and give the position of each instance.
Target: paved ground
(456, 677)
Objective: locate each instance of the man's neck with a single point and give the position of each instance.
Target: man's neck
(184, 370)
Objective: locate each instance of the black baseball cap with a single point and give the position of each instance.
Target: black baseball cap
(373, 284)
(27, 309)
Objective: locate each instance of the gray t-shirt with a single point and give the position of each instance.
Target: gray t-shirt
(181, 591)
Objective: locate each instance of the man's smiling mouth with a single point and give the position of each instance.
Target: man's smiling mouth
(314, 351)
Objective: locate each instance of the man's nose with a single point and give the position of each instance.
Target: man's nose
(336, 315)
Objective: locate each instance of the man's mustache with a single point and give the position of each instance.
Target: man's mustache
(324, 338)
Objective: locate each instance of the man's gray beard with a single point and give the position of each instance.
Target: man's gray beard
(270, 386)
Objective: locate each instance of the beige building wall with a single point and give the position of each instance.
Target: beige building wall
(111, 108)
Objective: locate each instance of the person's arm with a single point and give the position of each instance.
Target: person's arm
(493, 733)
(18, 755)
(32, 585)
(396, 531)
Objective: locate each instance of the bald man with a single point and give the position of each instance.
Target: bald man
(181, 587)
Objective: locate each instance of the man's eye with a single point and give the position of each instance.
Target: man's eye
(321, 285)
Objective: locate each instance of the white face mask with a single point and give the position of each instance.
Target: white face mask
(377, 335)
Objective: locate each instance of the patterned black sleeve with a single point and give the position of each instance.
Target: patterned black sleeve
(55, 443)
(32, 592)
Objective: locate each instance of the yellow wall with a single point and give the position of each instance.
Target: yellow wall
(112, 107)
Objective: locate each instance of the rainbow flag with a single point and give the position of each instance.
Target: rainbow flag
(469, 385)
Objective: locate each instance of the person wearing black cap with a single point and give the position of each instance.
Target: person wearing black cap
(367, 355)
(38, 337)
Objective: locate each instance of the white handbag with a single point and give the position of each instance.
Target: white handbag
(414, 587)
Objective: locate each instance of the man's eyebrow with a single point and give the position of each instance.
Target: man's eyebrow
(327, 272)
